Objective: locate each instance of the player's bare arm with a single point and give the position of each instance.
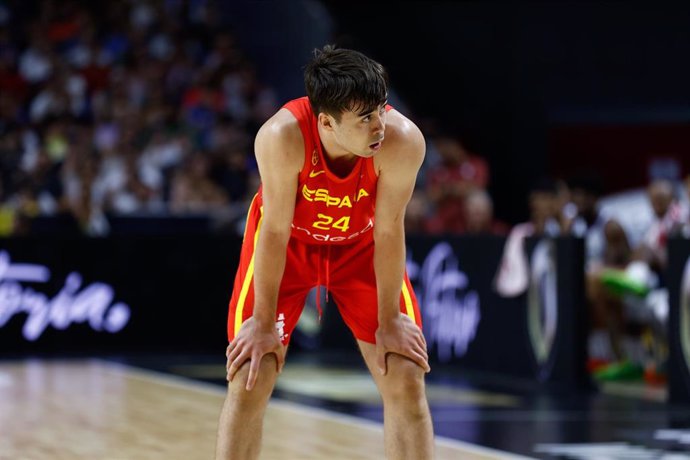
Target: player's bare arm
(397, 165)
(279, 152)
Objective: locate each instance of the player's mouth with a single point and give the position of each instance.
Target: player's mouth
(376, 145)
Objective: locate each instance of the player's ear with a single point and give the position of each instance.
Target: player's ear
(326, 121)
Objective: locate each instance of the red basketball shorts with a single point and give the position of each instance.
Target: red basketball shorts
(347, 271)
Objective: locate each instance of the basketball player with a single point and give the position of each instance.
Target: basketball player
(337, 170)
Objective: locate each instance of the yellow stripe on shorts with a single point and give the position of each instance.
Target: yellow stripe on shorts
(409, 308)
(248, 276)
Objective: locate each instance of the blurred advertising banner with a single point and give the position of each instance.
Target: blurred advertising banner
(539, 333)
(77, 295)
(132, 294)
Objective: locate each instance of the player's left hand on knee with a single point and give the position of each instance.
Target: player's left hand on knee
(402, 336)
(253, 341)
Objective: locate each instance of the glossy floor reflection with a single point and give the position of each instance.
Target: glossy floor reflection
(491, 411)
(76, 409)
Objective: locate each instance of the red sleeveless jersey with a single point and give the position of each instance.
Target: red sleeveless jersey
(330, 209)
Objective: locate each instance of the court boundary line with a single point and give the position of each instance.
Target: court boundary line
(206, 387)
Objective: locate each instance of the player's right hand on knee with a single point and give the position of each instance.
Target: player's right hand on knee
(401, 336)
(252, 342)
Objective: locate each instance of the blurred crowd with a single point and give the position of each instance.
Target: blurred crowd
(452, 194)
(124, 108)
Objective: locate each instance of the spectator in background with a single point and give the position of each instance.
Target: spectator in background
(544, 208)
(130, 88)
(512, 278)
(65, 94)
(605, 308)
(133, 187)
(36, 61)
(164, 152)
(479, 215)
(44, 179)
(606, 242)
(649, 256)
(632, 296)
(670, 215)
(235, 173)
(83, 193)
(193, 190)
(201, 106)
(417, 213)
(580, 213)
(448, 184)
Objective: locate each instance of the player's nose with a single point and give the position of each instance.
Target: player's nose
(378, 126)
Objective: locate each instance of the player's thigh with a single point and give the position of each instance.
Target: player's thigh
(353, 287)
(297, 281)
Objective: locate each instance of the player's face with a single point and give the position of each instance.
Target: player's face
(361, 134)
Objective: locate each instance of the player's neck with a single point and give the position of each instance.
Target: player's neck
(334, 151)
(339, 160)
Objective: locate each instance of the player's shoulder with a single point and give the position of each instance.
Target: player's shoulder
(280, 136)
(404, 138)
(281, 127)
(403, 132)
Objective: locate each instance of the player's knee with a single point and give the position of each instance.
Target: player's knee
(264, 382)
(404, 381)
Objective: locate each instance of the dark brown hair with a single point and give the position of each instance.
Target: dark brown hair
(339, 79)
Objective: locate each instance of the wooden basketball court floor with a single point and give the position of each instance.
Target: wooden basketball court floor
(97, 409)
